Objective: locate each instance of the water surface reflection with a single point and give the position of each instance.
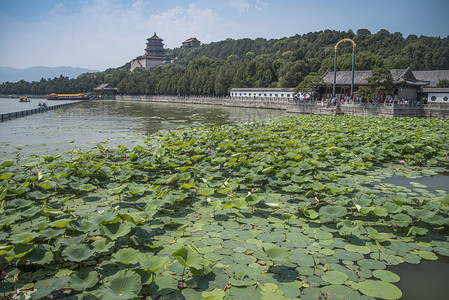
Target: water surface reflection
(118, 122)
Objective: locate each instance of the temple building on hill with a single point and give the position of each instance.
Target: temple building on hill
(154, 55)
(190, 43)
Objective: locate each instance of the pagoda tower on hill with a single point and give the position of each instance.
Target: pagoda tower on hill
(154, 55)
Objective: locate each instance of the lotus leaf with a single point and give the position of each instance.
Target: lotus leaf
(40, 255)
(206, 191)
(326, 251)
(125, 284)
(86, 279)
(188, 185)
(126, 256)
(64, 272)
(412, 258)
(73, 240)
(104, 217)
(335, 277)
(302, 259)
(237, 203)
(444, 198)
(427, 255)
(386, 275)
(380, 211)
(417, 231)
(46, 287)
(271, 237)
(346, 255)
(375, 235)
(340, 292)
(116, 230)
(20, 203)
(270, 291)
(23, 237)
(357, 249)
(62, 223)
(48, 184)
(401, 220)
(436, 220)
(320, 195)
(188, 258)
(19, 251)
(6, 176)
(320, 234)
(348, 227)
(309, 213)
(242, 258)
(333, 212)
(213, 294)
(152, 262)
(421, 213)
(78, 252)
(32, 211)
(379, 289)
(390, 259)
(371, 264)
(242, 282)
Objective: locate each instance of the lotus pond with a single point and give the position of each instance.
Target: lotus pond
(298, 207)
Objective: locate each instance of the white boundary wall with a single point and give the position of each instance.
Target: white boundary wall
(262, 93)
(439, 98)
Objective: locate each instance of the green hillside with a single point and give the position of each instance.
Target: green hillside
(215, 68)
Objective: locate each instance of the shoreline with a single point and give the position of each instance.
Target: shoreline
(432, 110)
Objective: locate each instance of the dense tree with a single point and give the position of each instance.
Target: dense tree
(292, 73)
(443, 83)
(379, 82)
(309, 86)
(217, 67)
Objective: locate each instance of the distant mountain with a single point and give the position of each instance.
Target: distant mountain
(37, 73)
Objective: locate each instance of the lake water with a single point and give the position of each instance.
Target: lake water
(120, 122)
(117, 122)
(13, 105)
(428, 279)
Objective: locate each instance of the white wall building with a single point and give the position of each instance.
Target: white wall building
(436, 95)
(283, 93)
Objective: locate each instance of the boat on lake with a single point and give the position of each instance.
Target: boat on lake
(79, 96)
(24, 99)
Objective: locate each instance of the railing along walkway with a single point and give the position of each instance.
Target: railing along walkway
(24, 113)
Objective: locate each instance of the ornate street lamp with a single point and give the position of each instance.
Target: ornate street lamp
(335, 65)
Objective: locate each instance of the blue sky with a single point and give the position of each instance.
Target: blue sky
(100, 34)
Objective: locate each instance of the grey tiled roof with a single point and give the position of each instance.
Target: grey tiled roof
(105, 86)
(262, 90)
(433, 76)
(405, 76)
(435, 90)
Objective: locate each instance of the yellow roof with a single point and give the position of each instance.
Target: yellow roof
(65, 95)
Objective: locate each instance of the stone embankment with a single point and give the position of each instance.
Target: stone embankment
(432, 110)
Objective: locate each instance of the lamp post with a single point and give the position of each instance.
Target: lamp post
(335, 66)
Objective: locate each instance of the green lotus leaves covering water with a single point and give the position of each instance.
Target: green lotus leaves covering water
(298, 207)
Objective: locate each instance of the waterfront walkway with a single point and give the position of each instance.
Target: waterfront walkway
(27, 112)
(430, 110)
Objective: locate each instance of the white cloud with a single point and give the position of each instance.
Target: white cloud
(240, 5)
(244, 6)
(57, 9)
(260, 5)
(102, 34)
(178, 24)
